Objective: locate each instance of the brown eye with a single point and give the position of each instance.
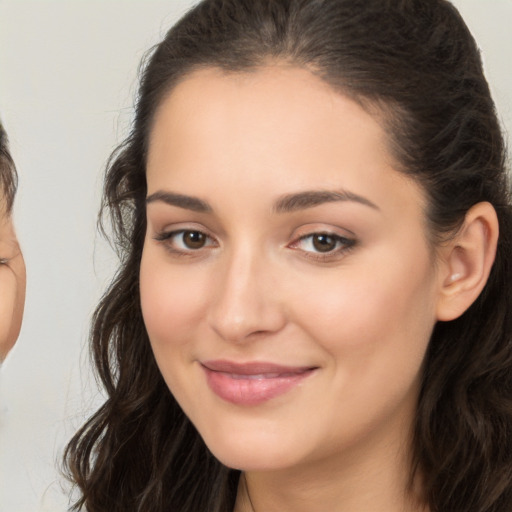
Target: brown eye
(324, 243)
(185, 241)
(194, 239)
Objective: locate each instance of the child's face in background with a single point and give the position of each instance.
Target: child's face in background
(12, 283)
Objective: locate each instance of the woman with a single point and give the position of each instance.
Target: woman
(12, 266)
(314, 223)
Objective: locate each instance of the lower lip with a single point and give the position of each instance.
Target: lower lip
(251, 390)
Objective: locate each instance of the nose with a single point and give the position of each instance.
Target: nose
(246, 302)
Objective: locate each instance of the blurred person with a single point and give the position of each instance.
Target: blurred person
(12, 266)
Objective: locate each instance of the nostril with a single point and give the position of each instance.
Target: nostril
(258, 333)
(256, 324)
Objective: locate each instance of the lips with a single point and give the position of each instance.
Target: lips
(252, 383)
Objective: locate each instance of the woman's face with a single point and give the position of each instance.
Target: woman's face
(286, 281)
(12, 285)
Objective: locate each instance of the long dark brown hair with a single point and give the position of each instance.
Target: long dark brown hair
(416, 63)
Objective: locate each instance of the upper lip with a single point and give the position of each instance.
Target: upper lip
(253, 367)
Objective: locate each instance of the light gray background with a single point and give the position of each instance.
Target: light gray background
(67, 79)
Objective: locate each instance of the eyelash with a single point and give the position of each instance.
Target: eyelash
(342, 244)
(166, 238)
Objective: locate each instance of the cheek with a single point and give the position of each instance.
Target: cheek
(12, 301)
(171, 304)
(7, 303)
(168, 315)
(381, 309)
(374, 330)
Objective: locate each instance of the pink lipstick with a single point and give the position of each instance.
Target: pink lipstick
(252, 383)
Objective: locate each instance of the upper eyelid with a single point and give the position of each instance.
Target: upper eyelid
(319, 228)
(166, 225)
(177, 227)
(327, 233)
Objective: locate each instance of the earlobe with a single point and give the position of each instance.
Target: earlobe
(467, 261)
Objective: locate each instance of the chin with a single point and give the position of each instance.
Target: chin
(258, 452)
(251, 460)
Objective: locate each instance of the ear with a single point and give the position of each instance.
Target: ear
(466, 261)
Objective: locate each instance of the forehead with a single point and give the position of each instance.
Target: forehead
(278, 88)
(270, 107)
(276, 129)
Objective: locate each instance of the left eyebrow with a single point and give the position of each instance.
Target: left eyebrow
(310, 198)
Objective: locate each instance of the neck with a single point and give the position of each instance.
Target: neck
(257, 493)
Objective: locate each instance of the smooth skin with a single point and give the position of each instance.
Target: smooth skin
(12, 286)
(280, 231)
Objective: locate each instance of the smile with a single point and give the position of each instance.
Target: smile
(252, 383)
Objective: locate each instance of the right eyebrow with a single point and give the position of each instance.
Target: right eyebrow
(182, 201)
